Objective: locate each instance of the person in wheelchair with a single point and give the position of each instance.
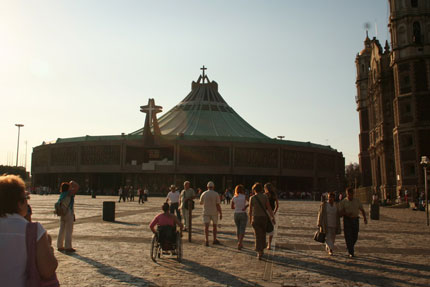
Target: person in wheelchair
(166, 227)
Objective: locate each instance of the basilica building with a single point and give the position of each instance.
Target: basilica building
(393, 102)
(202, 138)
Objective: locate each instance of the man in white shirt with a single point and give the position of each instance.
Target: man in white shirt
(211, 207)
(173, 197)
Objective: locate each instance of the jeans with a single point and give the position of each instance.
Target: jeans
(240, 219)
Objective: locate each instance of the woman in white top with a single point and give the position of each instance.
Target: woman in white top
(239, 205)
(13, 253)
(329, 221)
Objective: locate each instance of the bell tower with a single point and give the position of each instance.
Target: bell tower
(409, 26)
(362, 63)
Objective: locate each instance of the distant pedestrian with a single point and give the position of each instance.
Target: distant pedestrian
(270, 192)
(349, 208)
(211, 208)
(228, 195)
(145, 193)
(120, 193)
(68, 192)
(239, 204)
(173, 197)
(131, 191)
(259, 210)
(140, 193)
(329, 221)
(187, 195)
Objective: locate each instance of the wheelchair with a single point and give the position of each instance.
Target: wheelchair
(167, 239)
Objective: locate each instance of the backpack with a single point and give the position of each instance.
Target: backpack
(62, 206)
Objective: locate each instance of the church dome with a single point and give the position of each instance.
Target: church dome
(204, 112)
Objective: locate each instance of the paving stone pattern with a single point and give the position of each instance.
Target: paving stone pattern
(392, 251)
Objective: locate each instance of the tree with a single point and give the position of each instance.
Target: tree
(352, 175)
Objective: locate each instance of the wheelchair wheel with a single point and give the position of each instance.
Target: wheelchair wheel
(179, 247)
(154, 248)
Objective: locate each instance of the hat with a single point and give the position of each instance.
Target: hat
(173, 186)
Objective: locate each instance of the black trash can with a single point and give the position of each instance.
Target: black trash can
(374, 211)
(109, 211)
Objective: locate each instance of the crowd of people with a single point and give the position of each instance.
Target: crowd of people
(22, 241)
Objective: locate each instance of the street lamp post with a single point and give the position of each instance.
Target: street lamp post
(17, 145)
(425, 163)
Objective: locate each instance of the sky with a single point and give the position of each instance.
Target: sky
(84, 67)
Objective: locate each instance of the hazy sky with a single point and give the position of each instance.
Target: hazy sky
(76, 68)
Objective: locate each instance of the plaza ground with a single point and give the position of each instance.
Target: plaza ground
(392, 251)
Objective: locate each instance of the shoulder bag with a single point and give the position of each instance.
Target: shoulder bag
(269, 226)
(33, 278)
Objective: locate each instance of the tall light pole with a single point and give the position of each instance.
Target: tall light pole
(425, 163)
(17, 145)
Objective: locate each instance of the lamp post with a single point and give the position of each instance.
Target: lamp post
(425, 163)
(17, 145)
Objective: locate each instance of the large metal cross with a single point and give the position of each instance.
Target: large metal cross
(151, 109)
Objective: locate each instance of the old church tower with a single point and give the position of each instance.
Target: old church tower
(393, 101)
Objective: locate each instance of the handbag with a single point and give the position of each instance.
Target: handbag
(269, 225)
(33, 278)
(319, 236)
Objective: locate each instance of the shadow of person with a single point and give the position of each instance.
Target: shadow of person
(114, 273)
(215, 275)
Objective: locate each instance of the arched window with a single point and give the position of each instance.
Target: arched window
(414, 3)
(416, 32)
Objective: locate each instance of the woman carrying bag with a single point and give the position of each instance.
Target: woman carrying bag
(329, 221)
(260, 215)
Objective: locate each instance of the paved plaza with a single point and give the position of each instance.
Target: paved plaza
(394, 251)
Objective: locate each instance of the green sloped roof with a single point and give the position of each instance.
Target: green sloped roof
(205, 113)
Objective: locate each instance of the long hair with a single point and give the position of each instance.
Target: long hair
(270, 190)
(239, 189)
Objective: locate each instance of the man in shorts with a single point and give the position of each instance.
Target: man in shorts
(211, 207)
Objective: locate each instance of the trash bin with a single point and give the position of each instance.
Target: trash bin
(109, 211)
(374, 211)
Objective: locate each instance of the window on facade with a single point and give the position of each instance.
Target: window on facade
(406, 140)
(416, 32)
(405, 83)
(414, 3)
(409, 169)
(405, 112)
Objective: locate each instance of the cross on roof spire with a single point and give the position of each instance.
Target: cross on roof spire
(203, 69)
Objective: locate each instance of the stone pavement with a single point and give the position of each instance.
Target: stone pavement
(394, 251)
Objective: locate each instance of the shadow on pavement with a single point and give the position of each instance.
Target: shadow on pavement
(114, 273)
(215, 275)
(124, 223)
(342, 273)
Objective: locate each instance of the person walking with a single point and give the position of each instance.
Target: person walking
(131, 191)
(140, 193)
(173, 197)
(270, 192)
(186, 195)
(64, 240)
(211, 207)
(329, 221)
(14, 251)
(349, 208)
(239, 204)
(120, 193)
(259, 211)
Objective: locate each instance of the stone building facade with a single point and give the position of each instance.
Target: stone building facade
(393, 101)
